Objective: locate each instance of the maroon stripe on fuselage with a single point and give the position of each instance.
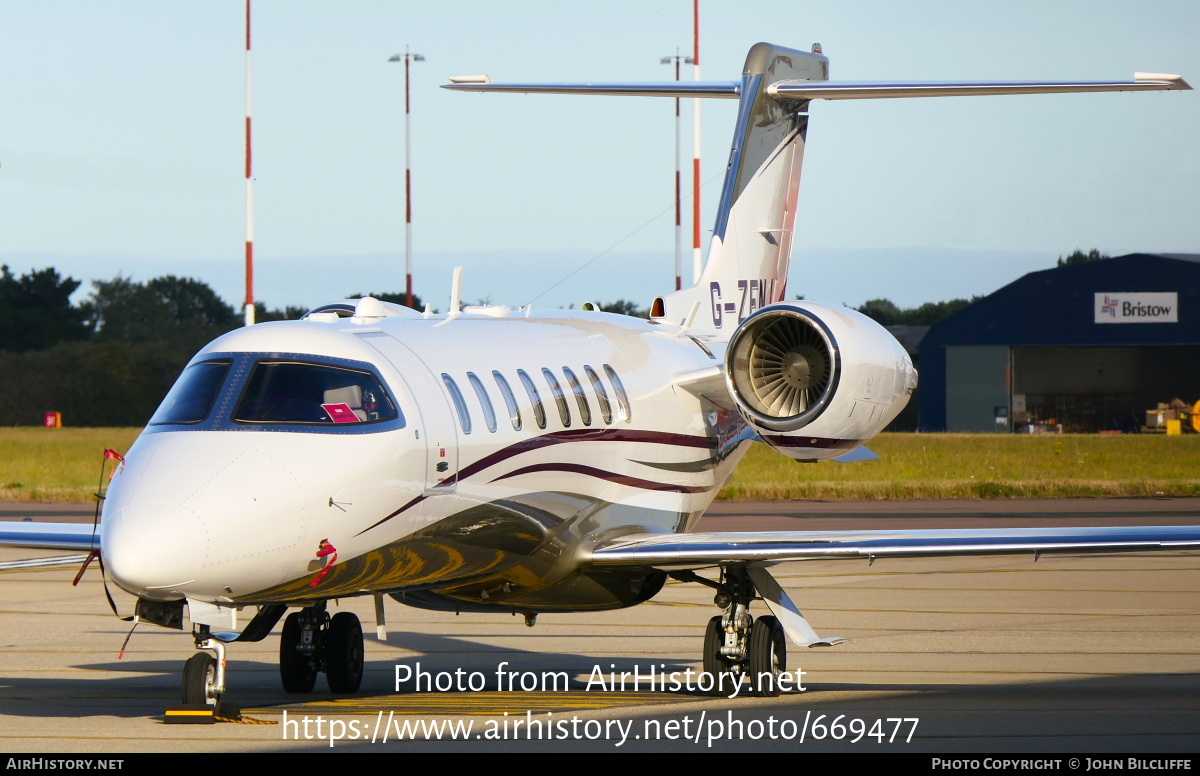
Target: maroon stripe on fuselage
(562, 437)
(591, 471)
(579, 435)
(410, 504)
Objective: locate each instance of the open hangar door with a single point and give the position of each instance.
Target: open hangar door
(1090, 389)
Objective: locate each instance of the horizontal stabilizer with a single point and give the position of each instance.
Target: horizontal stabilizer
(699, 550)
(721, 89)
(801, 89)
(80, 537)
(875, 90)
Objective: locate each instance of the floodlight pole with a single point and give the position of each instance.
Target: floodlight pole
(408, 272)
(676, 58)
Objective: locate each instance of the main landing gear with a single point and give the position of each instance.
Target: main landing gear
(736, 644)
(312, 641)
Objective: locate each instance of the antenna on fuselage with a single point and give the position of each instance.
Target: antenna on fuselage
(456, 292)
(688, 321)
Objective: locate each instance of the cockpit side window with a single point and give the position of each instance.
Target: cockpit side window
(192, 397)
(296, 392)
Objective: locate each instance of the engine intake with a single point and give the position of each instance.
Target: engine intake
(831, 371)
(784, 367)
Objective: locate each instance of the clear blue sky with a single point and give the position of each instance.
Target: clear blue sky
(121, 143)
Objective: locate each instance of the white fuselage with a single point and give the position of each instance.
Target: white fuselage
(233, 512)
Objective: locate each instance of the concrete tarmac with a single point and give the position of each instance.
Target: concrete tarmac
(1084, 654)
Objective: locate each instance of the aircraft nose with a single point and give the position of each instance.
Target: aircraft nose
(147, 548)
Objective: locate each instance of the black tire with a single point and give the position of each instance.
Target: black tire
(199, 676)
(343, 651)
(768, 656)
(714, 664)
(297, 670)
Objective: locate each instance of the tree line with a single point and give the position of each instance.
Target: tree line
(887, 313)
(108, 360)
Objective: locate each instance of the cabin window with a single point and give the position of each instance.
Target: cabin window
(564, 412)
(623, 408)
(489, 414)
(514, 410)
(585, 410)
(601, 395)
(464, 417)
(535, 399)
(295, 392)
(192, 397)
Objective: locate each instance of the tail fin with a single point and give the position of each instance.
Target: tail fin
(751, 246)
(748, 257)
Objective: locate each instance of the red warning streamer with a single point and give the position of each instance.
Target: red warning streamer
(324, 550)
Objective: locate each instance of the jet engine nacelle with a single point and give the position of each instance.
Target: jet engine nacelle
(816, 381)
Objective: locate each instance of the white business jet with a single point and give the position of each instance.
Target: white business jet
(497, 459)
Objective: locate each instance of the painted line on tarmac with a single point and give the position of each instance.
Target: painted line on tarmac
(481, 703)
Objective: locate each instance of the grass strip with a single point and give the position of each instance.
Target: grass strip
(38, 464)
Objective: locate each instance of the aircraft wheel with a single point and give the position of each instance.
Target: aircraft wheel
(343, 651)
(297, 670)
(199, 679)
(768, 655)
(715, 665)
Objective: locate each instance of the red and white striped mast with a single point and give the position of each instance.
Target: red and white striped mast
(249, 185)
(678, 187)
(697, 257)
(408, 269)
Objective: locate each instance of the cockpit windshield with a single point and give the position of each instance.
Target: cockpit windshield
(192, 397)
(296, 392)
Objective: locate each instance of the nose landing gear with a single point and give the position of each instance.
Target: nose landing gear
(312, 641)
(203, 674)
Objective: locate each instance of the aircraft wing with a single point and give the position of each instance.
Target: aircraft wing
(81, 537)
(699, 550)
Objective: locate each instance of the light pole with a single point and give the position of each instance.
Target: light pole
(678, 206)
(408, 284)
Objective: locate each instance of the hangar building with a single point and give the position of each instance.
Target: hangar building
(1088, 347)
